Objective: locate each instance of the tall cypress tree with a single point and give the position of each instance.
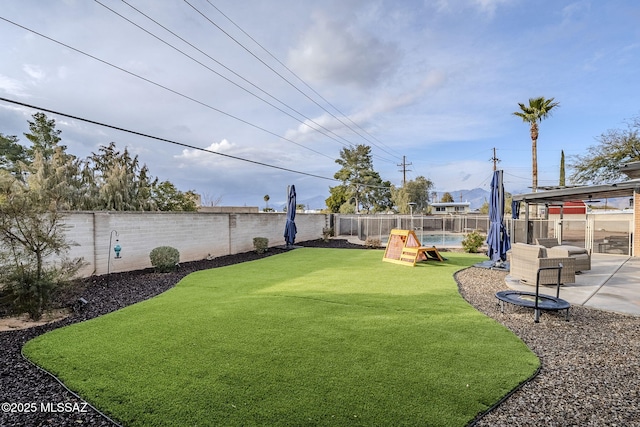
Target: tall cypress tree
(562, 184)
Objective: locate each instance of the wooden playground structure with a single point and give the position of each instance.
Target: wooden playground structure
(403, 247)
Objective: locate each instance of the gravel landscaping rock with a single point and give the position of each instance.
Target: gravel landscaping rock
(590, 373)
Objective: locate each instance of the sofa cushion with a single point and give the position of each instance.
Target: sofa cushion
(581, 255)
(547, 242)
(572, 250)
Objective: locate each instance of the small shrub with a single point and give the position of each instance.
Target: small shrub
(29, 291)
(372, 243)
(164, 258)
(472, 241)
(261, 244)
(327, 232)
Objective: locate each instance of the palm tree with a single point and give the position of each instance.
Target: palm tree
(537, 110)
(266, 201)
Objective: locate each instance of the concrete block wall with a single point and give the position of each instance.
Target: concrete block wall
(196, 235)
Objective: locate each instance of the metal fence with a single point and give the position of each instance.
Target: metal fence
(597, 233)
(443, 230)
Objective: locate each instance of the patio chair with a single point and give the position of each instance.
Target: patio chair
(581, 255)
(526, 260)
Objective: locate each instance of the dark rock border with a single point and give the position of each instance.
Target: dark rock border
(590, 365)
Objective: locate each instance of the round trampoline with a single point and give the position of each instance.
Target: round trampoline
(531, 300)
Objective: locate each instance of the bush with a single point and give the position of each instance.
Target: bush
(327, 233)
(32, 235)
(164, 258)
(372, 243)
(261, 244)
(472, 241)
(29, 291)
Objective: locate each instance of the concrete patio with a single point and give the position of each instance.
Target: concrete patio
(612, 284)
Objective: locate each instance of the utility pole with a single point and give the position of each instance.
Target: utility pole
(404, 170)
(494, 159)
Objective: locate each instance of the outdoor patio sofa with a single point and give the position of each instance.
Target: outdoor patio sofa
(525, 260)
(581, 255)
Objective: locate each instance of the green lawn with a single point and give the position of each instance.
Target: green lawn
(310, 337)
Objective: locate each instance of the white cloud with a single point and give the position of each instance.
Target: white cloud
(436, 81)
(199, 156)
(576, 10)
(335, 52)
(386, 101)
(11, 86)
(34, 71)
(487, 7)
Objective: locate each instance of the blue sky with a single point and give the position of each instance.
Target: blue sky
(436, 81)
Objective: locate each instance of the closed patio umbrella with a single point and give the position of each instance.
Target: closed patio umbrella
(497, 239)
(290, 229)
(515, 210)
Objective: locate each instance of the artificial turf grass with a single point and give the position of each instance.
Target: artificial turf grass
(310, 337)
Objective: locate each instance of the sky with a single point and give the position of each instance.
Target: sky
(278, 88)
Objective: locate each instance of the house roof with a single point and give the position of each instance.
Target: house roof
(440, 204)
(632, 170)
(558, 195)
(585, 193)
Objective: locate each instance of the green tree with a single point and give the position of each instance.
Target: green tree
(44, 136)
(415, 191)
(537, 110)
(12, 154)
(166, 197)
(31, 232)
(359, 178)
(120, 183)
(109, 179)
(57, 179)
(446, 198)
(601, 163)
(379, 198)
(338, 196)
(508, 197)
(266, 199)
(400, 199)
(562, 172)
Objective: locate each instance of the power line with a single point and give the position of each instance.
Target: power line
(228, 69)
(282, 77)
(181, 144)
(193, 147)
(296, 75)
(165, 87)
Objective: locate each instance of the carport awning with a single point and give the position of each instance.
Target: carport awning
(586, 193)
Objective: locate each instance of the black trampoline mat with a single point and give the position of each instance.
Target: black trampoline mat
(528, 299)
